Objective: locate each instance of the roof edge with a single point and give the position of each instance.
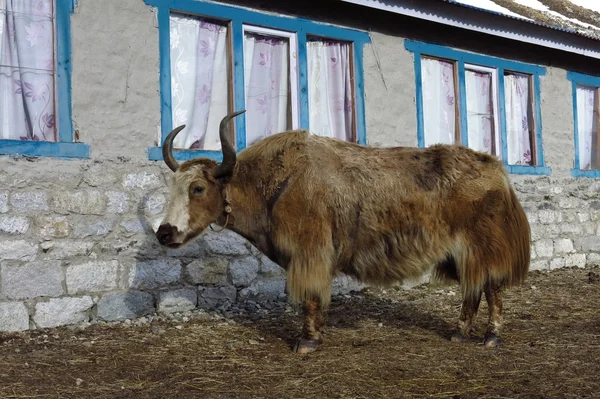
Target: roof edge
(496, 25)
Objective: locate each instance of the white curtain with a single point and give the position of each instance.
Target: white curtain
(518, 114)
(267, 86)
(587, 126)
(439, 101)
(479, 111)
(27, 70)
(199, 89)
(329, 89)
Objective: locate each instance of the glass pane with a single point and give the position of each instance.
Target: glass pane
(267, 85)
(330, 89)
(199, 81)
(27, 70)
(480, 117)
(439, 101)
(587, 127)
(519, 119)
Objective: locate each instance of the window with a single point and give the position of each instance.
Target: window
(35, 115)
(586, 110)
(286, 73)
(488, 104)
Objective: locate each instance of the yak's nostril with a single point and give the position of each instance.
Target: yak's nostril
(165, 234)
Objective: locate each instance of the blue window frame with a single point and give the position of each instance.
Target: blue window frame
(236, 18)
(586, 88)
(64, 147)
(497, 68)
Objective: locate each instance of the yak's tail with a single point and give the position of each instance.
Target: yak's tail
(496, 250)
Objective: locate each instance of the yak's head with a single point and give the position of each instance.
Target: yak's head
(197, 198)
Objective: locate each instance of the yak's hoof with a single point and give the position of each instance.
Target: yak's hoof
(306, 346)
(459, 337)
(491, 340)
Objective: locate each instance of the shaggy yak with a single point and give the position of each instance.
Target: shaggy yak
(317, 206)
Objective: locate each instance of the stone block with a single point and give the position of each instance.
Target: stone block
(52, 226)
(67, 249)
(575, 260)
(588, 244)
(89, 227)
(567, 202)
(17, 250)
(154, 273)
(98, 176)
(542, 264)
(155, 204)
(142, 180)
(583, 217)
(225, 243)
(571, 228)
(557, 263)
(133, 226)
(593, 259)
(29, 202)
(177, 300)
(264, 288)
(549, 217)
(92, 276)
(270, 269)
(208, 271)
(125, 305)
(13, 317)
(89, 202)
(14, 224)
(3, 202)
(563, 246)
(212, 297)
(32, 279)
(343, 284)
(117, 202)
(62, 311)
(243, 270)
(544, 248)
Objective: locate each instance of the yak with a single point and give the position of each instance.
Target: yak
(318, 206)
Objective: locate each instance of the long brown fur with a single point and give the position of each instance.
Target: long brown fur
(318, 206)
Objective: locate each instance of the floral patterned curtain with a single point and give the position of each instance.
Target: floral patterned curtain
(329, 89)
(479, 111)
(27, 70)
(199, 88)
(587, 127)
(439, 102)
(267, 85)
(518, 115)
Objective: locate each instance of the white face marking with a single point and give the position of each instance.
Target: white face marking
(178, 214)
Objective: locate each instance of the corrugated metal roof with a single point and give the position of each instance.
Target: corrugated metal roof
(550, 18)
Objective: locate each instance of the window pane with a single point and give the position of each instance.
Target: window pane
(199, 80)
(330, 89)
(267, 85)
(480, 117)
(27, 70)
(587, 127)
(519, 119)
(439, 101)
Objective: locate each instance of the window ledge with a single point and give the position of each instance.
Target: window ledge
(585, 173)
(528, 170)
(155, 154)
(44, 149)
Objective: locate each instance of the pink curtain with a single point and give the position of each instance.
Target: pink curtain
(439, 101)
(330, 89)
(587, 127)
(518, 118)
(267, 86)
(479, 111)
(199, 87)
(27, 70)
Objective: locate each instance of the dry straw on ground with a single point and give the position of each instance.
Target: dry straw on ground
(378, 345)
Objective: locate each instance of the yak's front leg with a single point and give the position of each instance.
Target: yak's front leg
(312, 330)
(493, 296)
(468, 311)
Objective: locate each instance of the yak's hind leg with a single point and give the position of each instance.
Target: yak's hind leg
(468, 311)
(493, 296)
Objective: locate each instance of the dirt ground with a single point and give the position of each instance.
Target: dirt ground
(392, 344)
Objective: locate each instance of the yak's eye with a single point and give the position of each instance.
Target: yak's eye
(197, 190)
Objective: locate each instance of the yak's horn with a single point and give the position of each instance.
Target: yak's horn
(167, 149)
(225, 168)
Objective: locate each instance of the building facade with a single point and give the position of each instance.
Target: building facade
(90, 89)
